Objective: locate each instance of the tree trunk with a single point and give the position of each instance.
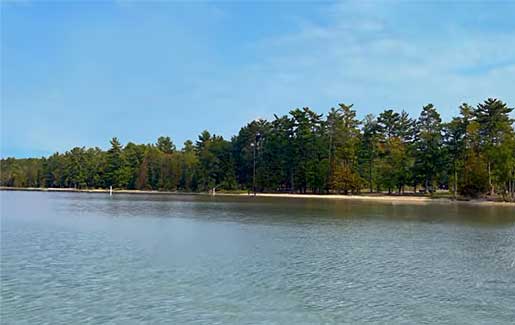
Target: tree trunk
(328, 176)
(370, 177)
(490, 179)
(455, 181)
(292, 187)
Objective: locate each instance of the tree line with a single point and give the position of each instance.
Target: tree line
(472, 155)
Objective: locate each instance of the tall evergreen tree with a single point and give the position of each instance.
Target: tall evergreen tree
(165, 144)
(114, 163)
(494, 128)
(428, 142)
(369, 150)
(345, 139)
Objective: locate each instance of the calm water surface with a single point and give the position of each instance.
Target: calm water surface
(74, 258)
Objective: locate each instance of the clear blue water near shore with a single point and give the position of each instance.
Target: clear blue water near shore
(69, 258)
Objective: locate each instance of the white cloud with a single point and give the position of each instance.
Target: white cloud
(360, 54)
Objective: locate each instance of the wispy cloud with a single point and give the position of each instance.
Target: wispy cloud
(364, 54)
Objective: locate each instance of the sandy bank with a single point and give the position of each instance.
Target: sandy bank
(394, 199)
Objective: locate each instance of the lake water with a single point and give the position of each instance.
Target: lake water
(74, 258)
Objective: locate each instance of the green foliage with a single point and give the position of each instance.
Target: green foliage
(396, 132)
(369, 151)
(275, 166)
(246, 146)
(215, 162)
(428, 147)
(495, 131)
(473, 155)
(21, 172)
(306, 132)
(165, 144)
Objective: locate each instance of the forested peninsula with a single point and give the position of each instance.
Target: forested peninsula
(470, 156)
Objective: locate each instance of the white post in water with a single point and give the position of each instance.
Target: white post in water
(111, 190)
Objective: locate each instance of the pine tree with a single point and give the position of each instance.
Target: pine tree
(428, 145)
(494, 128)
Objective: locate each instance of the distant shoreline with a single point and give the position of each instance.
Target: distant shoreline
(394, 199)
(96, 190)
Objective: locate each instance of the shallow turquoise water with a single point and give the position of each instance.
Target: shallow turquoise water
(74, 258)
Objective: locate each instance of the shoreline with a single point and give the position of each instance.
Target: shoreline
(95, 190)
(394, 199)
(364, 197)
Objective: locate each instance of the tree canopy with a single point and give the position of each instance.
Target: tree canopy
(471, 155)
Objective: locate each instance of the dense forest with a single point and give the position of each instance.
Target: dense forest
(472, 155)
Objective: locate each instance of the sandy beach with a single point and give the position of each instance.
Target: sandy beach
(393, 199)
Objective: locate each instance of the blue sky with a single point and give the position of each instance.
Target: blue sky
(79, 73)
